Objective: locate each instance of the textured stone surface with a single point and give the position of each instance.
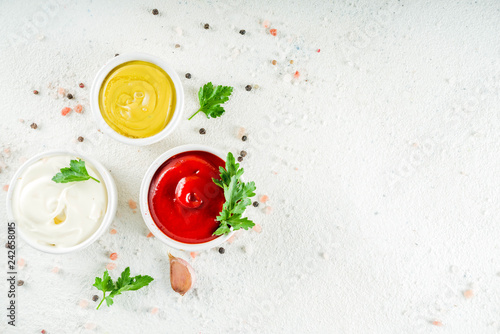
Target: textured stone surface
(379, 156)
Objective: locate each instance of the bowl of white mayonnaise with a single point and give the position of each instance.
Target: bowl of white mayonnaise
(61, 201)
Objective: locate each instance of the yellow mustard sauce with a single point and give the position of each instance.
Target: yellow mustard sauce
(137, 99)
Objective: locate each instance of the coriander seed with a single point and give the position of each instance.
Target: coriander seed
(20, 282)
(243, 153)
(34, 126)
(80, 139)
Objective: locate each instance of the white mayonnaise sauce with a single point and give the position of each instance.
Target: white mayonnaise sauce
(58, 214)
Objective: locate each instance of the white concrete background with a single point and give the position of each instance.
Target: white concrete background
(380, 161)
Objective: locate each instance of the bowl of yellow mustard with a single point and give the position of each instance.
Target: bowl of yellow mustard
(137, 98)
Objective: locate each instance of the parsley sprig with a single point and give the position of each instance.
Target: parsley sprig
(124, 283)
(75, 172)
(211, 99)
(237, 194)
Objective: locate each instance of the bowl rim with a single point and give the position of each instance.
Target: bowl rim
(111, 190)
(144, 203)
(103, 73)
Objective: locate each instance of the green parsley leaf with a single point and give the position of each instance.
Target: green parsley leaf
(237, 194)
(74, 173)
(124, 283)
(104, 284)
(211, 99)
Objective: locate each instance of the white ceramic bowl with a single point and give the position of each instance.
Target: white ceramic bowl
(108, 217)
(143, 198)
(96, 86)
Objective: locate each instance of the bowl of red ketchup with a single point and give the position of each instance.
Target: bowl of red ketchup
(179, 200)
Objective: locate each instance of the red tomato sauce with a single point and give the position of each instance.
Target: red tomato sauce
(183, 200)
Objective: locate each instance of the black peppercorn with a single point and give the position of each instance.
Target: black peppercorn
(240, 159)
(206, 26)
(7, 245)
(188, 75)
(255, 204)
(117, 54)
(248, 88)
(243, 153)
(242, 32)
(155, 11)
(244, 138)
(222, 250)
(34, 125)
(202, 131)
(35, 92)
(70, 96)
(95, 298)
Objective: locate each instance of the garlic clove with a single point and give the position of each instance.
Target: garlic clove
(181, 275)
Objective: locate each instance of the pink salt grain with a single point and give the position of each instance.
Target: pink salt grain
(273, 32)
(296, 75)
(90, 325)
(231, 240)
(150, 235)
(132, 204)
(268, 210)
(241, 132)
(257, 228)
(113, 256)
(5, 187)
(111, 266)
(266, 24)
(61, 91)
(193, 254)
(154, 310)
(21, 263)
(264, 198)
(468, 294)
(65, 111)
(78, 108)
(55, 270)
(437, 323)
(83, 303)
(113, 231)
